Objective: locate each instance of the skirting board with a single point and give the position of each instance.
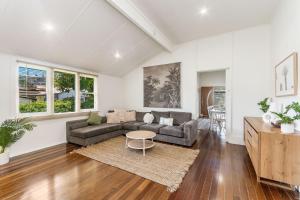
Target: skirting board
(235, 139)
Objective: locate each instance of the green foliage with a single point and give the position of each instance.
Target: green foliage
(264, 106)
(64, 82)
(35, 106)
(88, 103)
(284, 118)
(86, 84)
(64, 105)
(12, 130)
(296, 107)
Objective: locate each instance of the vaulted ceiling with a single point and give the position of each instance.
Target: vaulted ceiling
(88, 33)
(181, 22)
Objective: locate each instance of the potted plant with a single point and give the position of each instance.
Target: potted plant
(287, 122)
(11, 131)
(295, 106)
(264, 106)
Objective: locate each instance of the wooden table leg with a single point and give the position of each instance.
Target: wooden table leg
(144, 147)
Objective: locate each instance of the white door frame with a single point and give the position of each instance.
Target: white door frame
(228, 98)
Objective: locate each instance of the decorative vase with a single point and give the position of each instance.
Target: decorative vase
(287, 128)
(4, 157)
(267, 117)
(297, 125)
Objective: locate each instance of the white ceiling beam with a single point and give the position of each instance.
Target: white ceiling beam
(129, 10)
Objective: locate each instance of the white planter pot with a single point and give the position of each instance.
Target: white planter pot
(297, 125)
(287, 128)
(4, 157)
(267, 117)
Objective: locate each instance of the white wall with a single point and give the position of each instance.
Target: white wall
(285, 39)
(213, 78)
(48, 132)
(244, 54)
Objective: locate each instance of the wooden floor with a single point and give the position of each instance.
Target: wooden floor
(221, 171)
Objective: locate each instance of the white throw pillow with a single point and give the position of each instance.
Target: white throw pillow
(166, 121)
(113, 118)
(130, 116)
(148, 118)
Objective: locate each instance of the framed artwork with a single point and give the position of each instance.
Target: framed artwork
(162, 85)
(286, 76)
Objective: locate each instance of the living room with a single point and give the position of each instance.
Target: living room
(131, 68)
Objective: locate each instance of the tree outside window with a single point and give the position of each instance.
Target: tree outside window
(64, 92)
(87, 93)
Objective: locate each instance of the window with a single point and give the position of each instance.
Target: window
(43, 90)
(64, 92)
(32, 89)
(87, 100)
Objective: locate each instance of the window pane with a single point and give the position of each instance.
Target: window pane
(87, 101)
(64, 92)
(86, 93)
(87, 84)
(32, 90)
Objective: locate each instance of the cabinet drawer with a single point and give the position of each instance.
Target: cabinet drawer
(252, 136)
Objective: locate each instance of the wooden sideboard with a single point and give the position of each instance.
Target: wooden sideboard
(275, 156)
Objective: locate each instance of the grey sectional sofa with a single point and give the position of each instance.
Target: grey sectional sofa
(183, 132)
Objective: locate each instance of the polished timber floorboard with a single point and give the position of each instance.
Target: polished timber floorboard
(221, 171)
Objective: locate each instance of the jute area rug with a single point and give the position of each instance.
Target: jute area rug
(164, 164)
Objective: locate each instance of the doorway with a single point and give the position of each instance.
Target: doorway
(212, 98)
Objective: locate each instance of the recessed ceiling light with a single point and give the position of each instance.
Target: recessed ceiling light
(203, 11)
(117, 55)
(48, 27)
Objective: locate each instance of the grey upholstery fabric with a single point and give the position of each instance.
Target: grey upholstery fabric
(94, 140)
(140, 116)
(77, 132)
(157, 115)
(175, 131)
(152, 127)
(103, 119)
(132, 125)
(79, 125)
(91, 131)
(180, 117)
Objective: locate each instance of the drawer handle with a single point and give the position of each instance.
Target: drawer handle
(249, 133)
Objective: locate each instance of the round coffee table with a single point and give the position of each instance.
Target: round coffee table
(140, 140)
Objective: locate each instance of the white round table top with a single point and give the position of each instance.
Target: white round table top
(139, 135)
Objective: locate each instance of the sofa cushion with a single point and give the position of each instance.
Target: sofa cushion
(157, 115)
(94, 119)
(140, 116)
(175, 131)
(91, 131)
(132, 125)
(152, 127)
(78, 125)
(180, 117)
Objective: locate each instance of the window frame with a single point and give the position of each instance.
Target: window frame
(94, 92)
(50, 90)
(53, 88)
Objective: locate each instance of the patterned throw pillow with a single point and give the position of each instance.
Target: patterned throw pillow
(148, 118)
(166, 121)
(94, 119)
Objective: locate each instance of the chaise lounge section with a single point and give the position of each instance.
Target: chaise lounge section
(183, 132)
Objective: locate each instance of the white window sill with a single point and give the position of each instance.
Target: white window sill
(60, 115)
